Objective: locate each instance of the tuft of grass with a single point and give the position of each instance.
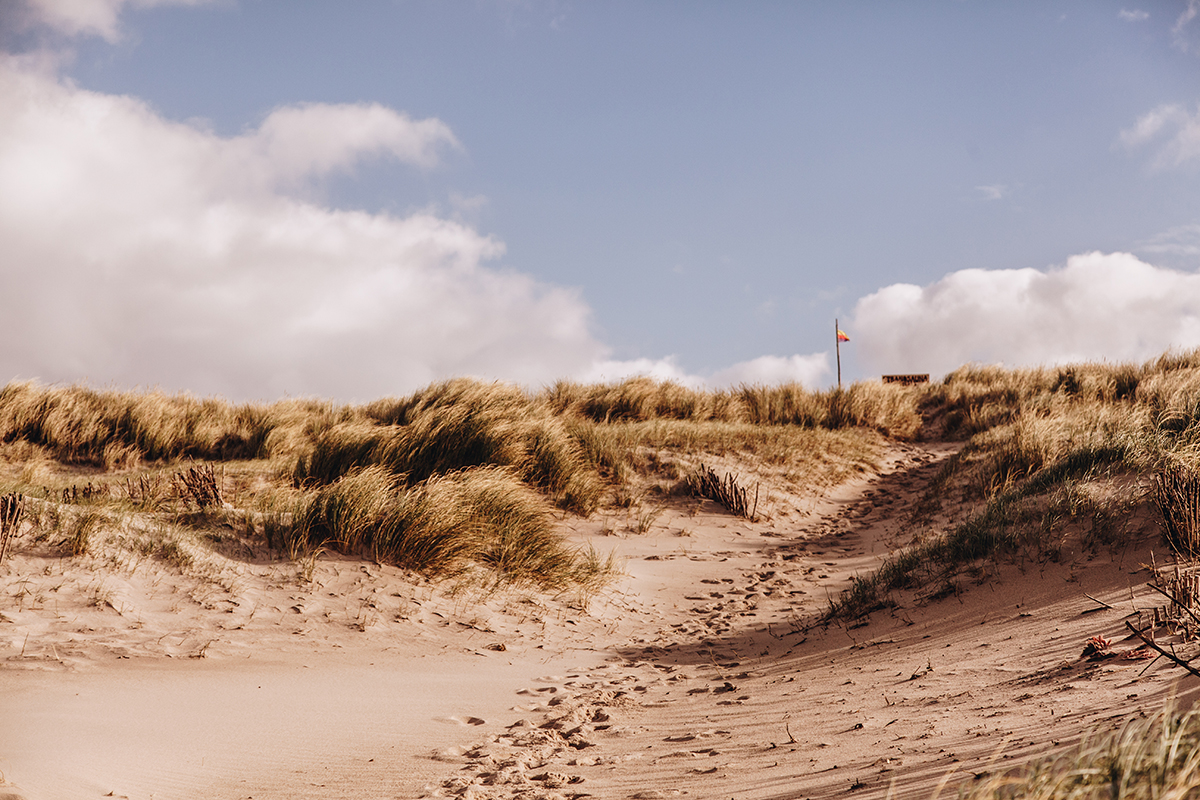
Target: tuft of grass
(200, 485)
(705, 482)
(148, 492)
(1146, 758)
(78, 531)
(453, 426)
(445, 526)
(1177, 497)
(78, 425)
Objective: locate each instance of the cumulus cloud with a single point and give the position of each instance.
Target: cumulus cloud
(811, 371)
(85, 17)
(1098, 306)
(1136, 15)
(296, 143)
(1173, 123)
(144, 252)
(140, 251)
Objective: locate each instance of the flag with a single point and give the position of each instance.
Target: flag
(842, 337)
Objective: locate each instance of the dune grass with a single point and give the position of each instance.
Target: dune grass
(441, 527)
(459, 477)
(1146, 758)
(464, 479)
(457, 425)
(888, 409)
(573, 447)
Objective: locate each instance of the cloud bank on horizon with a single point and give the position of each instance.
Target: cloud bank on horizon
(145, 252)
(1098, 307)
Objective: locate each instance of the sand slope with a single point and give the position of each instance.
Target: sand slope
(696, 674)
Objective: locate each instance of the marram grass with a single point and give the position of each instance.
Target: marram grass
(1147, 758)
(443, 526)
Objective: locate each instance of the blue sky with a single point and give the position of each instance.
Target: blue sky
(538, 190)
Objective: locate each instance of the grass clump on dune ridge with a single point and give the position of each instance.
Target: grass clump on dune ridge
(891, 410)
(109, 429)
(443, 526)
(458, 425)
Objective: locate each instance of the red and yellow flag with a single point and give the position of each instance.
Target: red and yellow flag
(842, 337)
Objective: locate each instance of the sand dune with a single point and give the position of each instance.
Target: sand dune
(696, 674)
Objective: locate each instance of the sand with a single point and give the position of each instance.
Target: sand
(695, 674)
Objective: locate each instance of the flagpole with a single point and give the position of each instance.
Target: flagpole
(838, 347)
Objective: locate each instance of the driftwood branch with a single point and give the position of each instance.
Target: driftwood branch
(1095, 600)
(1171, 656)
(1174, 600)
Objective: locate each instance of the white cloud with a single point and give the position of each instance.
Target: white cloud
(812, 371)
(143, 252)
(1182, 130)
(314, 139)
(87, 17)
(661, 369)
(1098, 306)
(139, 251)
(1137, 15)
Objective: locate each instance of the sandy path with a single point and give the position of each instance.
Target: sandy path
(342, 728)
(729, 695)
(694, 675)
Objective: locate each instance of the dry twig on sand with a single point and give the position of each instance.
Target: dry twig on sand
(1182, 662)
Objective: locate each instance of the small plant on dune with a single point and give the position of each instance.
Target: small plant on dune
(12, 509)
(200, 485)
(705, 482)
(147, 492)
(1177, 496)
(79, 530)
(646, 517)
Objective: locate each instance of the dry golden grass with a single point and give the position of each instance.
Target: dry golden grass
(1146, 758)
(457, 478)
(891, 410)
(573, 445)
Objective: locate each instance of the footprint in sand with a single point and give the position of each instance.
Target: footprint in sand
(461, 720)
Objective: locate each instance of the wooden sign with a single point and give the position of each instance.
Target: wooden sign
(907, 380)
